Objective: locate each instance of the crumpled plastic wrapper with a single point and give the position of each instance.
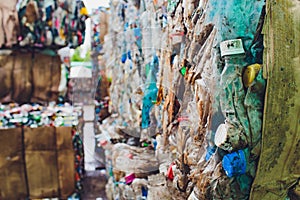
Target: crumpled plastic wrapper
(142, 161)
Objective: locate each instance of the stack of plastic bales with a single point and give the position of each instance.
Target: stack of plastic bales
(187, 80)
(42, 24)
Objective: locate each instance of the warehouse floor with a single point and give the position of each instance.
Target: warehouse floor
(95, 178)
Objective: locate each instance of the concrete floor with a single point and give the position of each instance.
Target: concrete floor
(95, 180)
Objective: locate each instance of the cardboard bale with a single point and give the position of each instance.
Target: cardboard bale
(13, 183)
(46, 76)
(6, 70)
(279, 166)
(22, 77)
(65, 161)
(41, 162)
(55, 78)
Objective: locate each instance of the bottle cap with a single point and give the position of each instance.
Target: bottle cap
(234, 163)
(170, 172)
(250, 74)
(145, 144)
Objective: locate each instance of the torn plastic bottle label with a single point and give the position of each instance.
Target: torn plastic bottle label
(231, 47)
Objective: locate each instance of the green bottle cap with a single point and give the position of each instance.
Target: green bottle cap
(183, 70)
(145, 144)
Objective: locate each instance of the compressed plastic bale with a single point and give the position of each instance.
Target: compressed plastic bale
(224, 188)
(150, 93)
(203, 177)
(163, 157)
(192, 196)
(127, 192)
(172, 6)
(194, 153)
(148, 99)
(201, 34)
(156, 33)
(200, 47)
(178, 31)
(230, 11)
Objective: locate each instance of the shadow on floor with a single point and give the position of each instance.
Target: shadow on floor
(94, 186)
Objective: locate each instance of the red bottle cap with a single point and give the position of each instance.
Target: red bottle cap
(170, 172)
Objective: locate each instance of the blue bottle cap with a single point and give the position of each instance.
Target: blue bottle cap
(123, 58)
(234, 164)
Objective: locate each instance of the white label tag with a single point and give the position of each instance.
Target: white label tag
(232, 47)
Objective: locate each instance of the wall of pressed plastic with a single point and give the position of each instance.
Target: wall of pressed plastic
(171, 87)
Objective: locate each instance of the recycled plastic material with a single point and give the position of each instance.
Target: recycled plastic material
(9, 23)
(177, 85)
(60, 23)
(51, 24)
(143, 161)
